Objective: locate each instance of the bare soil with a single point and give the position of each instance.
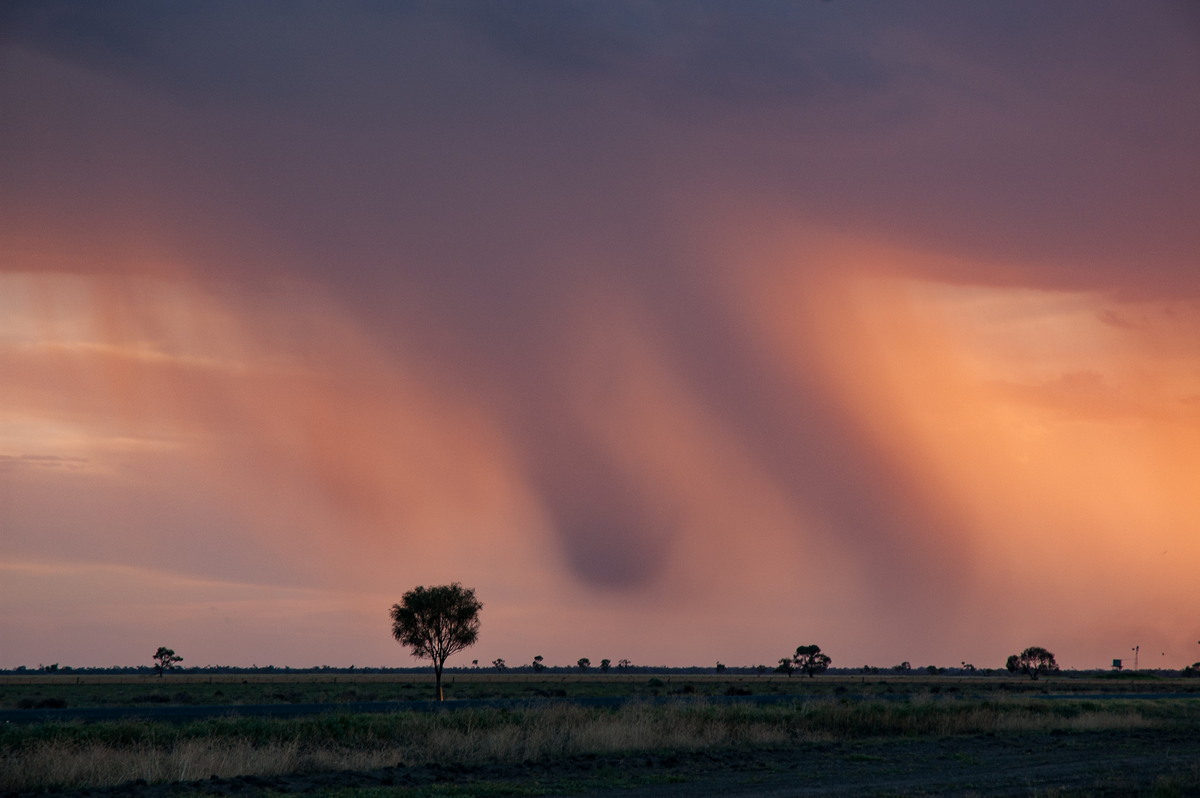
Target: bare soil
(1100, 763)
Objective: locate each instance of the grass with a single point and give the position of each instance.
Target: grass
(65, 755)
(220, 689)
(81, 691)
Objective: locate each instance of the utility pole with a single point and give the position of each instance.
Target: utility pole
(1136, 651)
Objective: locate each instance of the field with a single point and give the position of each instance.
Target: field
(679, 734)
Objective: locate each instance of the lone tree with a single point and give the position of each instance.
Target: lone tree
(165, 659)
(584, 663)
(786, 665)
(436, 622)
(810, 660)
(1034, 660)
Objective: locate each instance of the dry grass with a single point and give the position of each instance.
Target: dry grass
(58, 764)
(78, 755)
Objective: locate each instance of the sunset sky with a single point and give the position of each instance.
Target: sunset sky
(683, 332)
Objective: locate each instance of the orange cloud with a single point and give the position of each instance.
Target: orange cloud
(1018, 444)
(1060, 439)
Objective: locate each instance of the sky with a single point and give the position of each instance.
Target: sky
(682, 332)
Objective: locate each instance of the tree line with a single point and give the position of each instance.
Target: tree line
(437, 622)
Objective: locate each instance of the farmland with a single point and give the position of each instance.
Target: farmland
(679, 733)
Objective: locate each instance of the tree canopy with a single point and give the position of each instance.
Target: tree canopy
(810, 660)
(165, 659)
(1034, 661)
(435, 622)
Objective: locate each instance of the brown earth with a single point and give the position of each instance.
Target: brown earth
(1102, 763)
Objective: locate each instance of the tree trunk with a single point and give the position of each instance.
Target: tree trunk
(437, 678)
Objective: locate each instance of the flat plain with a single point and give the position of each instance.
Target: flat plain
(669, 733)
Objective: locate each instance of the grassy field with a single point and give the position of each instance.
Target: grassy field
(66, 690)
(829, 710)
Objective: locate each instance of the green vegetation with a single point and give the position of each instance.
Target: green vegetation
(166, 659)
(811, 660)
(189, 689)
(860, 719)
(58, 755)
(1033, 662)
(436, 622)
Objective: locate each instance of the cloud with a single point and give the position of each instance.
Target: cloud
(610, 303)
(1078, 394)
(10, 462)
(1113, 319)
(759, 53)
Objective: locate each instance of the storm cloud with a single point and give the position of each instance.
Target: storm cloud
(604, 276)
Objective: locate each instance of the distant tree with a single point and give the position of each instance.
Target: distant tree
(537, 663)
(966, 666)
(720, 667)
(933, 670)
(474, 663)
(584, 663)
(624, 664)
(903, 667)
(165, 659)
(760, 669)
(1034, 661)
(499, 665)
(810, 660)
(786, 666)
(605, 664)
(435, 622)
(1191, 670)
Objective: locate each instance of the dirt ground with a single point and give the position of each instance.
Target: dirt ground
(1102, 763)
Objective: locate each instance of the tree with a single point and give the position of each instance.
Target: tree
(537, 663)
(810, 660)
(436, 622)
(584, 663)
(605, 664)
(1034, 661)
(165, 659)
(786, 666)
(499, 665)
(624, 664)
